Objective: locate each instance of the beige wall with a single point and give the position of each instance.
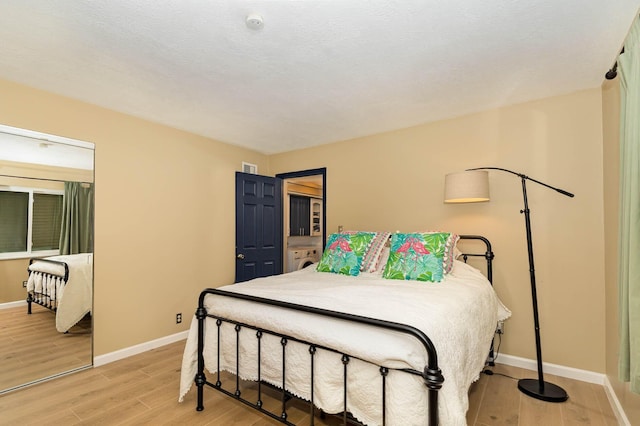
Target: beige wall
(12, 273)
(165, 212)
(396, 183)
(611, 152)
(150, 177)
(38, 171)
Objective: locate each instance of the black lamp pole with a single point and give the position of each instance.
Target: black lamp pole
(538, 389)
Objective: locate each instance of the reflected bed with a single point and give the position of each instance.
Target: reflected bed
(62, 284)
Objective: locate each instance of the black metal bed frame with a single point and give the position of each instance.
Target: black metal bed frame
(431, 375)
(41, 298)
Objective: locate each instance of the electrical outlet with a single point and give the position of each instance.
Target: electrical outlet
(500, 327)
(178, 318)
(24, 284)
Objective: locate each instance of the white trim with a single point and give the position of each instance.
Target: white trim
(138, 349)
(16, 304)
(621, 416)
(558, 370)
(572, 373)
(28, 255)
(45, 137)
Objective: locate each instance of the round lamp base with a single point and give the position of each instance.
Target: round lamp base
(548, 392)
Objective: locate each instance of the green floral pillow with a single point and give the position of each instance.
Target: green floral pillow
(344, 253)
(418, 256)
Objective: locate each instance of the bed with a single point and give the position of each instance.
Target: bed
(62, 284)
(372, 350)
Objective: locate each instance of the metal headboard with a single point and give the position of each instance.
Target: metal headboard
(488, 254)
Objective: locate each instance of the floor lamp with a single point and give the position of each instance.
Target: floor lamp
(472, 186)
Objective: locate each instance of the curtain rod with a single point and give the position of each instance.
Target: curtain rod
(613, 72)
(45, 179)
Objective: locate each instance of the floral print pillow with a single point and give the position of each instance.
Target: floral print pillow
(418, 256)
(344, 253)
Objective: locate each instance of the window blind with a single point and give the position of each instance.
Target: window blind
(47, 219)
(14, 221)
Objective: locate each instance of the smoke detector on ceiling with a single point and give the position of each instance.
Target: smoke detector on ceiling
(254, 21)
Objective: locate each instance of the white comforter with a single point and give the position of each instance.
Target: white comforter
(459, 315)
(75, 297)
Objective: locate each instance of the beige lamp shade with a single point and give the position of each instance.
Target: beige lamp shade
(471, 186)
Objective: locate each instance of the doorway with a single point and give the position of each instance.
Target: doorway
(304, 217)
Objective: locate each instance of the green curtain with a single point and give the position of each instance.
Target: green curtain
(76, 233)
(629, 232)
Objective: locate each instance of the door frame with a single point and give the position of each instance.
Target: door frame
(310, 172)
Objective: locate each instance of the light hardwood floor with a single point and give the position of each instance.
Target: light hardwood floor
(31, 348)
(143, 389)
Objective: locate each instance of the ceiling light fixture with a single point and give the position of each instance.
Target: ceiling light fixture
(254, 21)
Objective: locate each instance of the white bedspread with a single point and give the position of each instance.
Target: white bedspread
(459, 315)
(74, 298)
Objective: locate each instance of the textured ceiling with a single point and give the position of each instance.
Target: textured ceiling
(318, 71)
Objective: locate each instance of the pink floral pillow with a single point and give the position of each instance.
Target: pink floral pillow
(424, 256)
(344, 253)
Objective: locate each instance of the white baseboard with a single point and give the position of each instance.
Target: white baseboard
(138, 349)
(16, 304)
(571, 373)
(621, 416)
(558, 370)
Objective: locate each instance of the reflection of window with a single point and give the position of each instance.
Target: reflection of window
(25, 231)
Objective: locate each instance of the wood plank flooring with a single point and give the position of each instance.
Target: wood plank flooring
(143, 390)
(496, 400)
(31, 348)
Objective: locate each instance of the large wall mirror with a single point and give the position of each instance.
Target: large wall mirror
(46, 256)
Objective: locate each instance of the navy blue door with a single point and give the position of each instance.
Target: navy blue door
(258, 226)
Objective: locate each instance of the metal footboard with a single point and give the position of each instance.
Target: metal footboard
(431, 374)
